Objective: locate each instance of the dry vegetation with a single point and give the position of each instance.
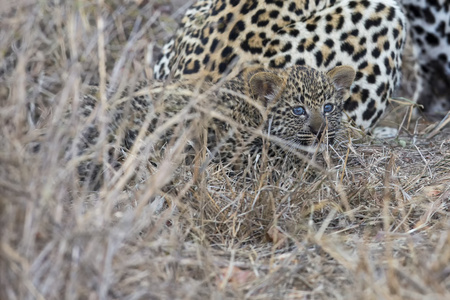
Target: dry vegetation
(369, 222)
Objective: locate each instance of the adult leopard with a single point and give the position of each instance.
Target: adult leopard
(218, 37)
(430, 32)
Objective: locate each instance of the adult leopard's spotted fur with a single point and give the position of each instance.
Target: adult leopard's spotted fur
(218, 36)
(430, 32)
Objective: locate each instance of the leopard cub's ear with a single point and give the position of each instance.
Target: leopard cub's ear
(342, 77)
(265, 86)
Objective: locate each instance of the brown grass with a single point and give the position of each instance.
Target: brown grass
(373, 224)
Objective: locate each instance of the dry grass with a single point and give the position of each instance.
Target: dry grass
(372, 224)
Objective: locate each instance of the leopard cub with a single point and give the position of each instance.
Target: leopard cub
(293, 108)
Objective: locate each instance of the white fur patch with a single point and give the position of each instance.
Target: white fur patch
(384, 132)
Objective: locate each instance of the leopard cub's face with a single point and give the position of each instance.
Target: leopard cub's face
(305, 105)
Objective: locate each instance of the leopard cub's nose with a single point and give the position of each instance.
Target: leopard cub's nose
(316, 127)
(317, 132)
(314, 130)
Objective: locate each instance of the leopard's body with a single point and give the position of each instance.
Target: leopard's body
(217, 37)
(296, 107)
(430, 32)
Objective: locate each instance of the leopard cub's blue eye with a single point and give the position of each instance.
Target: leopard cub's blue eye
(298, 111)
(328, 108)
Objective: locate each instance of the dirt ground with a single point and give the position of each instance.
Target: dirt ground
(369, 219)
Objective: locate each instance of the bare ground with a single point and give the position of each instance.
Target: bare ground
(368, 220)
